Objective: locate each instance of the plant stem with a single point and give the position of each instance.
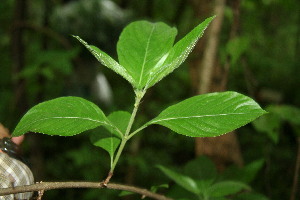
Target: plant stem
(44, 186)
(138, 98)
(137, 130)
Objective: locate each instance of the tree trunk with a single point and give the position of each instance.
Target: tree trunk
(211, 78)
(19, 103)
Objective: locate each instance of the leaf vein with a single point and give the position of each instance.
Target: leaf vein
(196, 116)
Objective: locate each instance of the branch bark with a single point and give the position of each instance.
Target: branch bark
(63, 185)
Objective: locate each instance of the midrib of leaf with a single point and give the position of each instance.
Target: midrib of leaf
(144, 61)
(196, 116)
(83, 118)
(175, 62)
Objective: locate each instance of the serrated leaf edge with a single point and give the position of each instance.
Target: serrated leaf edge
(179, 60)
(119, 69)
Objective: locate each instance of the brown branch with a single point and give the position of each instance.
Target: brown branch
(62, 185)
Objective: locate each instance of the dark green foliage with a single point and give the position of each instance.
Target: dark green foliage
(266, 50)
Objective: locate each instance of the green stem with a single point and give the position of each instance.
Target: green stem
(139, 96)
(136, 131)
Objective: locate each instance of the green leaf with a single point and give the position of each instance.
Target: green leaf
(120, 120)
(209, 115)
(109, 141)
(204, 185)
(125, 193)
(146, 53)
(184, 181)
(177, 55)
(106, 141)
(245, 174)
(249, 172)
(107, 61)
(225, 188)
(286, 112)
(236, 47)
(270, 125)
(141, 46)
(64, 116)
(154, 188)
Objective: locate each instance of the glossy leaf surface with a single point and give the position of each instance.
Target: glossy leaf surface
(209, 115)
(177, 55)
(64, 116)
(146, 53)
(141, 46)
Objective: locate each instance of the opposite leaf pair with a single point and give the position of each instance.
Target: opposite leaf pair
(146, 55)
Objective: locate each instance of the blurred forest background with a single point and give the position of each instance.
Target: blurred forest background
(252, 47)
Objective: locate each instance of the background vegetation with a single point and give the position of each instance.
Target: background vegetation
(40, 61)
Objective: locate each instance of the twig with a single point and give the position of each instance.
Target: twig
(61, 185)
(40, 194)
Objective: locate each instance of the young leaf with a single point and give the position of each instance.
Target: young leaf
(64, 116)
(177, 55)
(184, 181)
(141, 46)
(106, 141)
(209, 115)
(225, 188)
(110, 141)
(120, 121)
(107, 61)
